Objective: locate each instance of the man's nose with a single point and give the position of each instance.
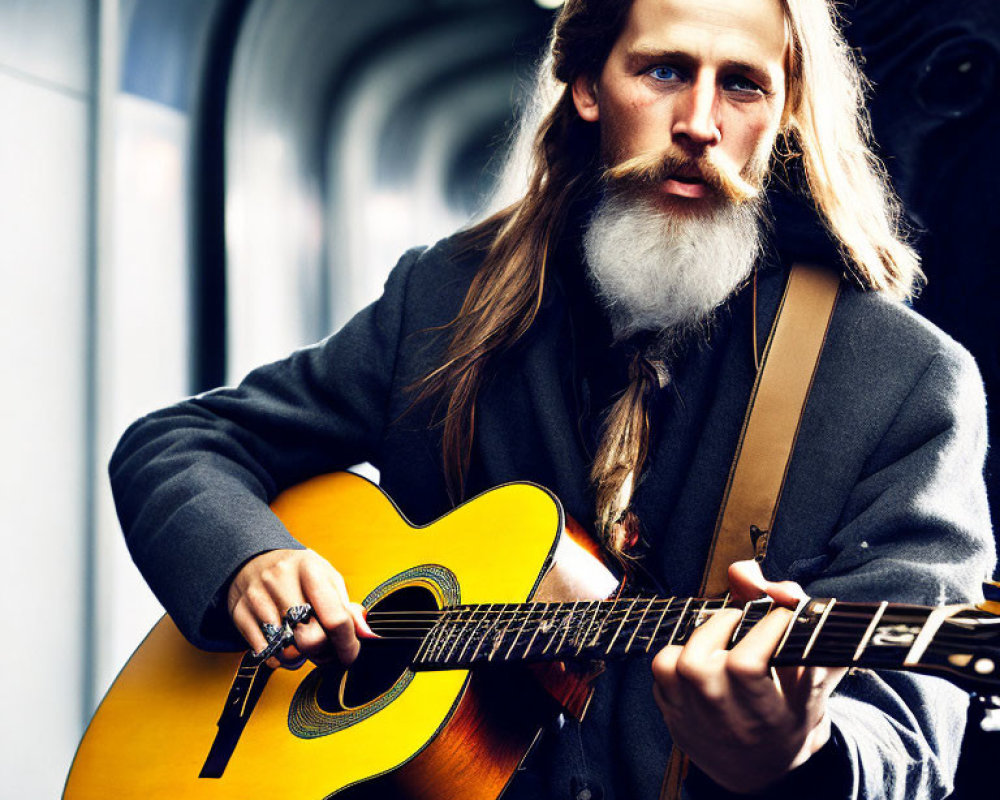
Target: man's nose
(696, 122)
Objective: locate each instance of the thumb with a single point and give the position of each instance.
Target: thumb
(747, 582)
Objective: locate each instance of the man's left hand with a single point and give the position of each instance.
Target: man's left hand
(742, 722)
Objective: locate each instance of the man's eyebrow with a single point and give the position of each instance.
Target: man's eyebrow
(638, 57)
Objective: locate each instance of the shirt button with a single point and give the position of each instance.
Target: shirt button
(581, 789)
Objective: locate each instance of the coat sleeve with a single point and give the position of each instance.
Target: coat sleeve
(192, 482)
(915, 528)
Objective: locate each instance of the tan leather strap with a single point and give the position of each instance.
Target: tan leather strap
(766, 441)
(772, 420)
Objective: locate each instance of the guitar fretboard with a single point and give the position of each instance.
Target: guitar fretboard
(820, 632)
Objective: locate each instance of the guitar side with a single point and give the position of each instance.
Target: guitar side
(152, 732)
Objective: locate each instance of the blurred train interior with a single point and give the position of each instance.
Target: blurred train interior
(193, 187)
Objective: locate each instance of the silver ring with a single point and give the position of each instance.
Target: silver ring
(278, 638)
(298, 615)
(271, 632)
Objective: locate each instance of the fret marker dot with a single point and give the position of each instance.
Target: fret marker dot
(984, 666)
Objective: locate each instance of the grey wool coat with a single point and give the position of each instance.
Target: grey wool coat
(884, 499)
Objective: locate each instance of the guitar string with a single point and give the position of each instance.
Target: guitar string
(536, 608)
(832, 624)
(526, 613)
(831, 638)
(832, 629)
(427, 623)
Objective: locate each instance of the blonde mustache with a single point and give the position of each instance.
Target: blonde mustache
(653, 168)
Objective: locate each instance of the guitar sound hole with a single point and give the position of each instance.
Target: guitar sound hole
(381, 662)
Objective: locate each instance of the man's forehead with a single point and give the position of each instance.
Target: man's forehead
(751, 31)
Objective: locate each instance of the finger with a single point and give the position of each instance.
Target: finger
(749, 662)
(668, 708)
(254, 608)
(261, 604)
(358, 612)
(290, 657)
(786, 593)
(304, 640)
(294, 665)
(263, 610)
(281, 581)
(701, 663)
(807, 688)
(325, 590)
(310, 640)
(666, 691)
(246, 623)
(245, 620)
(747, 582)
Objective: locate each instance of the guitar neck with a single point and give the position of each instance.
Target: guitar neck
(821, 632)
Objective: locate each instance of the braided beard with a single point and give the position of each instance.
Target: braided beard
(654, 270)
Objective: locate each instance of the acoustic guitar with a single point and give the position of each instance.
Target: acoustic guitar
(489, 620)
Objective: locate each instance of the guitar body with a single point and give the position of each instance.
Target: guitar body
(318, 732)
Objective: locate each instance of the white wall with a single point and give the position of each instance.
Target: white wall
(145, 333)
(44, 164)
(94, 331)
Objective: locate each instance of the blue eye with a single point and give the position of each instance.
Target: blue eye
(738, 83)
(664, 73)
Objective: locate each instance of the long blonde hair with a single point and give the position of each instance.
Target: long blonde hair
(555, 158)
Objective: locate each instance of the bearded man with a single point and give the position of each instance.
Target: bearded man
(598, 337)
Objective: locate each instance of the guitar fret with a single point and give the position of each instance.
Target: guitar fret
(443, 635)
(739, 626)
(699, 618)
(822, 631)
(621, 625)
(524, 621)
(659, 622)
(496, 631)
(604, 614)
(560, 624)
(680, 619)
(743, 620)
(497, 643)
(433, 641)
(756, 611)
(788, 629)
(828, 606)
(638, 625)
(568, 626)
(539, 624)
(870, 630)
(486, 618)
(421, 651)
(935, 619)
(452, 638)
(596, 606)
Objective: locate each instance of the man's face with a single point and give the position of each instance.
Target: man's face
(705, 78)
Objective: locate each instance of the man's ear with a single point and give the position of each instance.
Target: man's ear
(585, 98)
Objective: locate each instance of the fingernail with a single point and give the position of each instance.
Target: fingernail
(359, 613)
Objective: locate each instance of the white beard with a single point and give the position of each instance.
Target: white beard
(656, 271)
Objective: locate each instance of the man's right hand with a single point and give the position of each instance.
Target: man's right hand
(266, 586)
